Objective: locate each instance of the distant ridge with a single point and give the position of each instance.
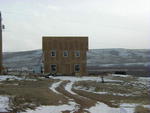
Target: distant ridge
(96, 57)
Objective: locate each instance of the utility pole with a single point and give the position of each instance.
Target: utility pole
(1, 54)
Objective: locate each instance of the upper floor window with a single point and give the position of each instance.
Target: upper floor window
(77, 53)
(65, 53)
(53, 53)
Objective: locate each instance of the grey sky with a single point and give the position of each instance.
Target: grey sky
(108, 23)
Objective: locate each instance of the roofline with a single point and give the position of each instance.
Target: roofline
(65, 36)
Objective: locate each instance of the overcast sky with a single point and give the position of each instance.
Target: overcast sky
(108, 23)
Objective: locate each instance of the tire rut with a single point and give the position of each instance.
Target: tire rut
(83, 102)
(95, 97)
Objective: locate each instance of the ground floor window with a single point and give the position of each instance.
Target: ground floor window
(77, 67)
(53, 68)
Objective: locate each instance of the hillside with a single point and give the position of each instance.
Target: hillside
(118, 57)
(96, 57)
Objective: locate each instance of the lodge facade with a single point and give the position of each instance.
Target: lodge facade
(65, 55)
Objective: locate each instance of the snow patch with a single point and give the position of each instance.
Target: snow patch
(72, 106)
(72, 80)
(92, 90)
(54, 86)
(68, 88)
(4, 103)
(9, 77)
(13, 77)
(103, 108)
(119, 75)
(85, 78)
(145, 81)
(129, 108)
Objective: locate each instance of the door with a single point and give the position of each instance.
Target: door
(53, 68)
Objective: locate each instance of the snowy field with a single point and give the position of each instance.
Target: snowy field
(13, 77)
(9, 77)
(4, 103)
(73, 106)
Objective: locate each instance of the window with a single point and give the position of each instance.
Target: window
(77, 67)
(53, 68)
(53, 53)
(77, 53)
(65, 53)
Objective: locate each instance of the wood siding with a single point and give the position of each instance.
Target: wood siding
(65, 65)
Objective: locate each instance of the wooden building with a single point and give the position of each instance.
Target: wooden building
(65, 55)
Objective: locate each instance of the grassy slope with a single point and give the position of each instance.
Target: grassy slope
(139, 93)
(29, 94)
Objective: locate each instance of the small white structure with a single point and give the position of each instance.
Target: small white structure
(24, 69)
(37, 69)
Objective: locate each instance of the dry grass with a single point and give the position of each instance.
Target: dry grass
(123, 88)
(111, 100)
(102, 98)
(28, 94)
(141, 109)
(138, 94)
(125, 79)
(83, 102)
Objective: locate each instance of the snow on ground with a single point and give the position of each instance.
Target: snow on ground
(119, 75)
(13, 77)
(99, 107)
(71, 106)
(145, 81)
(54, 86)
(68, 88)
(128, 107)
(74, 79)
(10, 77)
(103, 108)
(4, 103)
(92, 90)
(147, 106)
